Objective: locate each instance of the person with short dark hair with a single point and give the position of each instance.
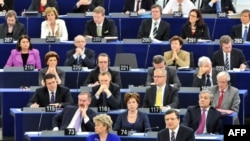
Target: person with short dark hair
(132, 119)
(177, 56)
(51, 94)
(52, 59)
(12, 27)
(107, 93)
(174, 130)
(204, 118)
(100, 26)
(216, 6)
(242, 30)
(103, 62)
(172, 77)
(24, 54)
(83, 6)
(80, 55)
(155, 28)
(195, 26)
(68, 117)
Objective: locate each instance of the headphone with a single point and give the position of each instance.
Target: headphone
(104, 55)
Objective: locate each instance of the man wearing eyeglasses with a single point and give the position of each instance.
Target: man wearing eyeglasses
(161, 94)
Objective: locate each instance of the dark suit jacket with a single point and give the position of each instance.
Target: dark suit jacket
(172, 77)
(91, 7)
(141, 123)
(226, 5)
(93, 77)
(237, 32)
(35, 5)
(213, 120)
(18, 30)
(60, 73)
(114, 101)
(236, 59)
(184, 134)
(197, 82)
(63, 119)
(110, 137)
(170, 97)
(41, 96)
(4, 8)
(108, 28)
(9, 3)
(163, 30)
(202, 32)
(89, 60)
(145, 4)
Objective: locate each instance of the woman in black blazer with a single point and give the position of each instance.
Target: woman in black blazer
(195, 26)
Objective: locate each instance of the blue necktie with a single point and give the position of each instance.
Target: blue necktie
(218, 6)
(208, 80)
(245, 34)
(227, 62)
(52, 98)
(79, 60)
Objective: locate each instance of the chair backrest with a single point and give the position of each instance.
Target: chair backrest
(192, 60)
(126, 59)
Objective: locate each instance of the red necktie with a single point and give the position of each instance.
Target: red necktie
(202, 122)
(220, 99)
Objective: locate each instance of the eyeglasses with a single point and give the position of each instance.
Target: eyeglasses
(158, 76)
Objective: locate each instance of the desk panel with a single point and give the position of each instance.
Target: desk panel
(22, 119)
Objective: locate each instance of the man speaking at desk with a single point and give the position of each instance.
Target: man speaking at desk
(100, 26)
(51, 94)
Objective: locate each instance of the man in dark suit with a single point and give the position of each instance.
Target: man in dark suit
(156, 28)
(99, 25)
(228, 56)
(174, 130)
(210, 6)
(205, 76)
(51, 94)
(172, 77)
(10, 4)
(103, 62)
(41, 5)
(107, 93)
(238, 31)
(67, 118)
(204, 118)
(80, 55)
(139, 6)
(12, 27)
(161, 94)
(83, 6)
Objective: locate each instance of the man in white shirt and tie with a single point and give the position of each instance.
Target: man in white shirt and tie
(242, 30)
(183, 6)
(155, 28)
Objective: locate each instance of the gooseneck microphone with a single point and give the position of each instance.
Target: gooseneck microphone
(215, 22)
(151, 128)
(146, 58)
(120, 29)
(39, 124)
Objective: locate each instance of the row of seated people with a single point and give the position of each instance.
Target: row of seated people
(53, 94)
(24, 54)
(139, 6)
(155, 28)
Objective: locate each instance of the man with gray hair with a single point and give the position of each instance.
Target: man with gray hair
(225, 96)
(228, 56)
(205, 76)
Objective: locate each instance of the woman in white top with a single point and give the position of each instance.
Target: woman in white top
(53, 26)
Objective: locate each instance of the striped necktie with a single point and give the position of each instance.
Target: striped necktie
(155, 31)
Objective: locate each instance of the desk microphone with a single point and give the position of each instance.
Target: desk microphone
(150, 128)
(77, 80)
(49, 46)
(109, 6)
(39, 124)
(215, 22)
(120, 29)
(146, 59)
